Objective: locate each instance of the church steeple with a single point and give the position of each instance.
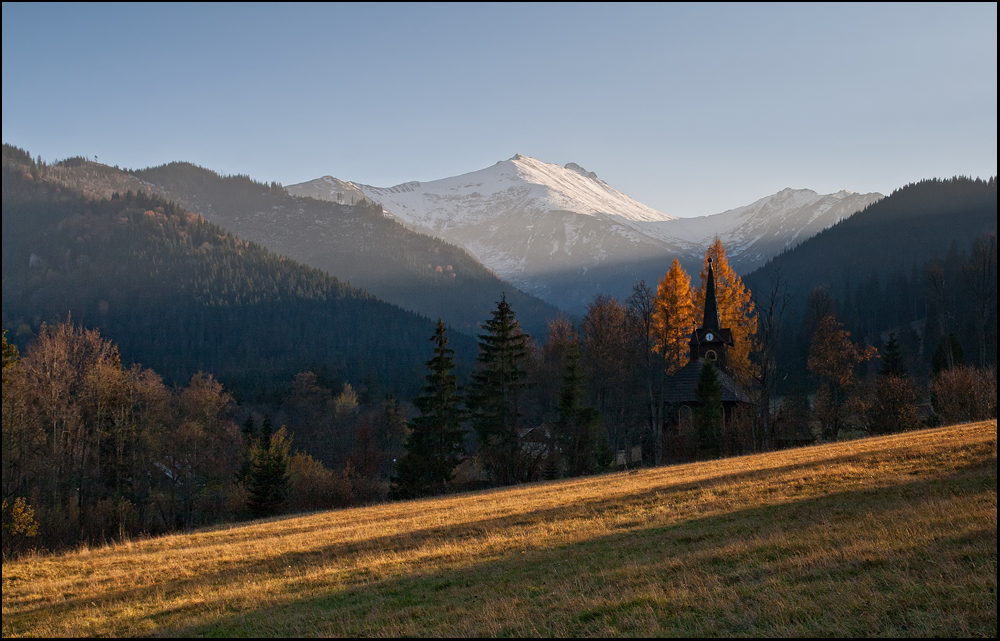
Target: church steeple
(711, 340)
(711, 320)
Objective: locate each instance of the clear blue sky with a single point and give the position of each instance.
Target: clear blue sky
(691, 109)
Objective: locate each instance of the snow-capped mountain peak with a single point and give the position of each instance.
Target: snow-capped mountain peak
(549, 229)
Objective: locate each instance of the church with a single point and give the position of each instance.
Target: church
(710, 342)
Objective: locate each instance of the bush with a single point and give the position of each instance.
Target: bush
(317, 487)
(19, 525)
(965, 393)
(891, 406)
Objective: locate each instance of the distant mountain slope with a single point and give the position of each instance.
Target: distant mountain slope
(564, 234)
(357, 243)
(902, 231)
(871, 267)
(180, 294)
(758, 231)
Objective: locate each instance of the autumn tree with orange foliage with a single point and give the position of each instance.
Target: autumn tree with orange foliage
(835, 358)
(736, 308)
(673, 317)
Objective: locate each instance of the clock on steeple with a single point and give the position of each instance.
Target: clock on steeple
(711, 341)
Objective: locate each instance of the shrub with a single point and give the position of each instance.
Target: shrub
(965, 393)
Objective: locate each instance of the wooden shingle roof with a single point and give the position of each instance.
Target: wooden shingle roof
(682, 387)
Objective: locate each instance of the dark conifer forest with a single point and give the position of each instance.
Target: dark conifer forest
(891, 267)
(181, 295)
(357, 243)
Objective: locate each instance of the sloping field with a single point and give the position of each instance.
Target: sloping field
(883, 536)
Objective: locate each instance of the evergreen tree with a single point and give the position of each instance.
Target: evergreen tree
(709, 414)
(249, 431)
(892, 359)
(576, 433)
(266, 430)
(270, 478)
(434, 444)
(495, 396)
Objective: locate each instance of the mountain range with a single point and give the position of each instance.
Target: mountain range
(564, 235)
(151, 258)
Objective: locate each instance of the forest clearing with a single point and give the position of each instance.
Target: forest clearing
(891, 536)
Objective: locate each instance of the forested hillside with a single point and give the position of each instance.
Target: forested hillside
(915, 223)
(182, 295)
(355, 243)
(875, 269)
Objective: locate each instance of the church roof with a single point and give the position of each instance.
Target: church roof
(711, 320)
(682, 386)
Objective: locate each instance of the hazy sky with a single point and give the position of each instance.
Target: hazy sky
(691, 109)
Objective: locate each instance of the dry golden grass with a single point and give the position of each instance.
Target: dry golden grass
(882, 536)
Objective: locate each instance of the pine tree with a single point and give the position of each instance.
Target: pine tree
(892, 359)
(709, 414)
(434, 444)
(266, 429)
(495, 396)
(249, 431)
(270, 478)
(576, 428)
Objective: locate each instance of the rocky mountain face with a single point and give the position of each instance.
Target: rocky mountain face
(563, 234)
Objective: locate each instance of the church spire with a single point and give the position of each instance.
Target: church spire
(711, 320)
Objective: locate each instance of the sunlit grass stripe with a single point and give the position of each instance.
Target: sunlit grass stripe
(893, 535)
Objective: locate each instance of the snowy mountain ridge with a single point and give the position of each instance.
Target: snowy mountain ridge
(563, 234)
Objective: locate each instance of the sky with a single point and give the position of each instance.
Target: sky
(690, 109)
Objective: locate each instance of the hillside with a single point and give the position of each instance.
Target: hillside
(356, 243)
(872, 265)
(888, 536)
(914, 224)
(181, 295)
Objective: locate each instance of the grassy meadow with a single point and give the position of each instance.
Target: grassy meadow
(889, 536)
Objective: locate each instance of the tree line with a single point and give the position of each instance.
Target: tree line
(94, 451)
(568, 406)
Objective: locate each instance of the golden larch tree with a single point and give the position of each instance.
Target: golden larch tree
(736, 308)
(834, 358)
(673, 317)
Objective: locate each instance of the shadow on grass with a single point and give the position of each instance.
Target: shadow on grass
(746, 572)
(441, 602)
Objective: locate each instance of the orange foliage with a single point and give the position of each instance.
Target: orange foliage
(736, 308)
(673, 316)
(832, 355)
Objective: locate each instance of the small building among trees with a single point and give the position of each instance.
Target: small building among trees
(703, 395)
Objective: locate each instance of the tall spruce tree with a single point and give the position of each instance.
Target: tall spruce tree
(892, 359)
(708, 416)
(576, 428)
(434, 444)
(495, 397)
(270, 478)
